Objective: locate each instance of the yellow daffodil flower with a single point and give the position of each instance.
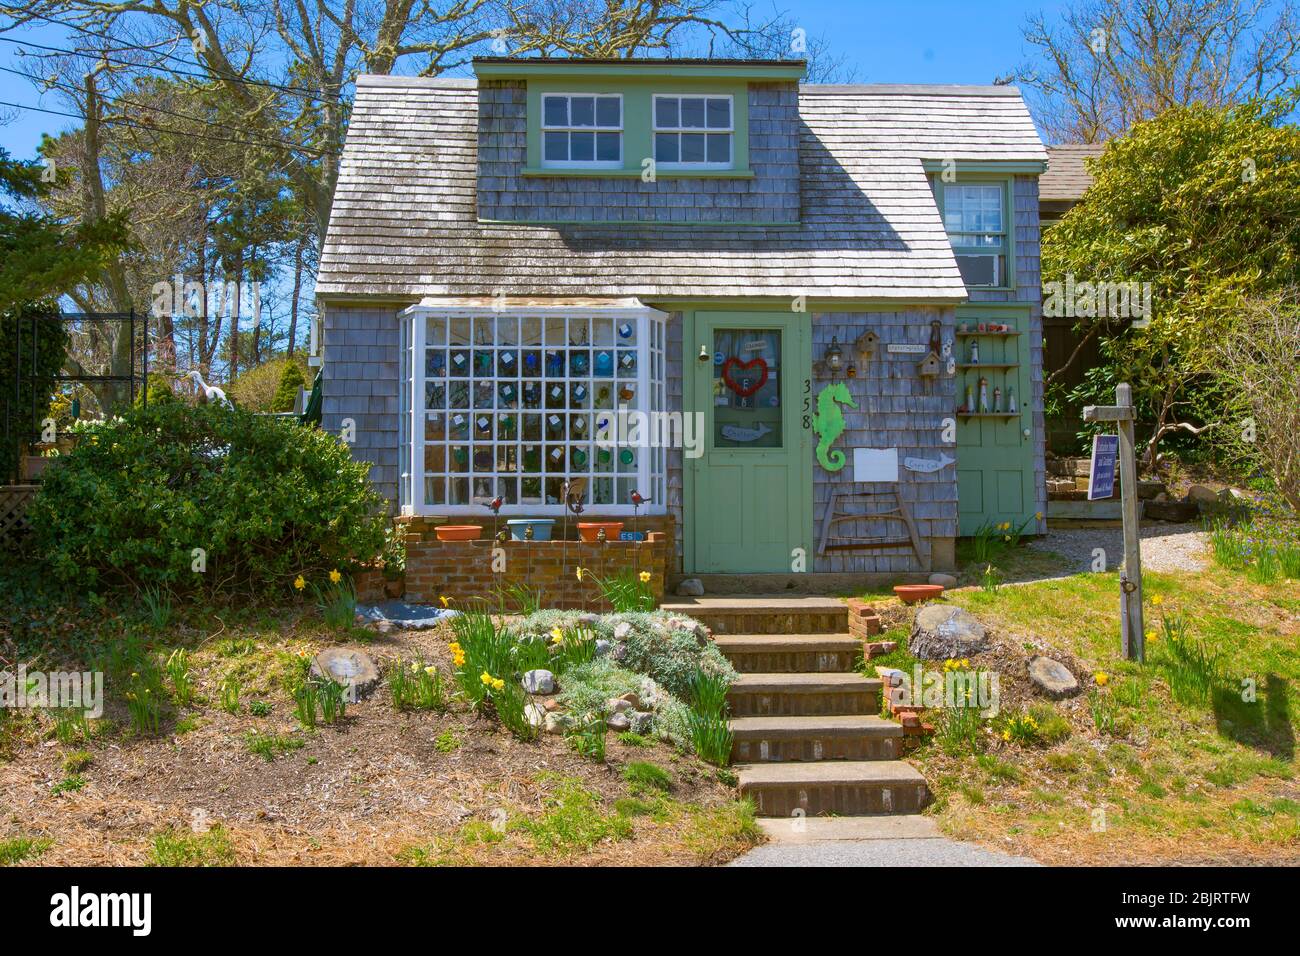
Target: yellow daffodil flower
(1151, 635)
(645, 577)
(299, 583)
(431, 670)
(1102, 678)
(498, 684)
(485, 678)
(335, 576)
(579, 574)
(443, 599)
(1157, 600)
(557, 635)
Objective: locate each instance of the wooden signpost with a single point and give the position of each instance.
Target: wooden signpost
(1130, 578)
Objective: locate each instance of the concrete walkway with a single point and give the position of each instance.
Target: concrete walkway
(909, 840)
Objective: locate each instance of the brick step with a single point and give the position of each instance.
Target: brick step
(841, 787)
(765, 615)
(778, 739)
(790, 653)
(793, 695)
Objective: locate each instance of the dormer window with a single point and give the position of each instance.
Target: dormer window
(693, 132)
(582, 130)
(976, 217)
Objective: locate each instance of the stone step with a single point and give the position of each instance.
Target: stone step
(790, 653)
(840, 787)
(743, 614)
(777, 739)
(794, 695)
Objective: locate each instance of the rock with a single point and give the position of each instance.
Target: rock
(383, 628)
(348, 666)
(556, 723)
(617, 705)
(1179, 512)
(650, 694)
(551, 705)
(632, 699)
(1202, 495)
(622, 631)
(1161, 498)
(941, 631)
(690, 587)
(641, 721)
(535, 715)
(618, 653)
(539, 682)
(618, 722)
(1052, 677)
(602, 647)
(1150, 489)
(588, 620)
(944, 580)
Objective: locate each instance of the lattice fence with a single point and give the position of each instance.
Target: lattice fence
(14, 500)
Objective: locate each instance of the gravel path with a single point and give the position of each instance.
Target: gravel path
(933, 851)
(1165, 547)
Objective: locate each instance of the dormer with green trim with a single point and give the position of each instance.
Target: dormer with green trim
(642, 140)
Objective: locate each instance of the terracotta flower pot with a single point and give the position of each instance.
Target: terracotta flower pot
(912, 593)
(458, 532)
(589, 530)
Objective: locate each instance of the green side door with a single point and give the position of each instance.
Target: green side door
(748, 501)
(995, 456)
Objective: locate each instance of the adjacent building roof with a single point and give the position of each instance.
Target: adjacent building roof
(1067, 178)
(404, 222)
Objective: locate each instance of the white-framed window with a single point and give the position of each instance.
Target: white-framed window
(694, 131)
(975, 217)
(510, 403)
(582, 130)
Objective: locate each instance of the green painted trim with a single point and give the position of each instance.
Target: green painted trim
(638, 120)
(993, 308)
(998, 167)
(636, 173)
(702, 71)
(634, 222)
(781, 303)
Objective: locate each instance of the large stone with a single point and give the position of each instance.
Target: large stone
(650, 694)
(616, 705)
(534, 714)
(539, 682)
(690, 587)
(943, 580)
(622, 630)
(632, 698)
(1202, 495)
(1179, 512)
(641, 721)
(1052, 677)
(618, 722)
(941, 631)
(602, 647)
(348, 666)
(556, 723)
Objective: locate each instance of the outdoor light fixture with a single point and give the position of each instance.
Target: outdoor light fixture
(834, 357)
(704, 353)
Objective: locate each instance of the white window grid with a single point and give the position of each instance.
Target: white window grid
(569, 128)
(678, 129)
(973, 215)
(469, 357)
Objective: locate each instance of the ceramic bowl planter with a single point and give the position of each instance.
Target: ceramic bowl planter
(591, 529)
(541, 528)
(459, 532)
(914, 593)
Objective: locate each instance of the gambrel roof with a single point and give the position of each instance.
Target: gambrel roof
(404, 223)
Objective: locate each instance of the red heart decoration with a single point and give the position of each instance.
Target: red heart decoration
(744, 367)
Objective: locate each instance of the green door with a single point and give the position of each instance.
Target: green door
(995, 456)
(748, 503)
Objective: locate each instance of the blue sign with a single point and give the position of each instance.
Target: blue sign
(631, 536)
(1105, 455)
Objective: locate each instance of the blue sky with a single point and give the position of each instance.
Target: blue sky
(886, 41)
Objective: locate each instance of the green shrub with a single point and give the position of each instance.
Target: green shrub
(286, 393)
(265, 500)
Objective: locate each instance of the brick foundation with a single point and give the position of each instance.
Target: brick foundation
(463, 570)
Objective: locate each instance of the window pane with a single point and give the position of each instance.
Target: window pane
(607, 150)
(582, 111)
(607, 110)
(693, 112)
(719, 147)
(557, 146)
(719, 112)
(583, 147)
(555, 110)
(692, 147)
(666, 148)
(666, 111)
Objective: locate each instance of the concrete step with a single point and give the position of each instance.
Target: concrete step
(793, 695)
(776, 739)
(745, 614)
(790, 653)
(840, 787)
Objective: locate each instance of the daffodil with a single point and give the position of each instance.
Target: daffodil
(557, 635)
(443, 599)
(299, 583)
(579, 574)
(431, 670)
(335, 576)
(1102, 678)
(498, 684)
(486, 679)
(1157, 600)
(645, 577)
(1151, 635)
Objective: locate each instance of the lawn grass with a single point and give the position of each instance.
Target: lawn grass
(1137, 773)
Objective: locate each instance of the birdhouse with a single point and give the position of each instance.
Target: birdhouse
(929, 367)
(866, 345)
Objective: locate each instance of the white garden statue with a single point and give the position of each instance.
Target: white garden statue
(210, 393)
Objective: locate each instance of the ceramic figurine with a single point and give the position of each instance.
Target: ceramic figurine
(975, 352)
(997, 399)
(970, 399)
(984, 395)
(1011, 400)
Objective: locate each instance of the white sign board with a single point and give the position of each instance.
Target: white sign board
(905, 349)
(875, 464)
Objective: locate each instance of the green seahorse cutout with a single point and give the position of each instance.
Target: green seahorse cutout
(828, 423)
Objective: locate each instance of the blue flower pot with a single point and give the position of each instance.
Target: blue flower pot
(541, 528)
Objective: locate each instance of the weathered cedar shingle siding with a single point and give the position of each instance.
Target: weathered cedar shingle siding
(772, 196)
